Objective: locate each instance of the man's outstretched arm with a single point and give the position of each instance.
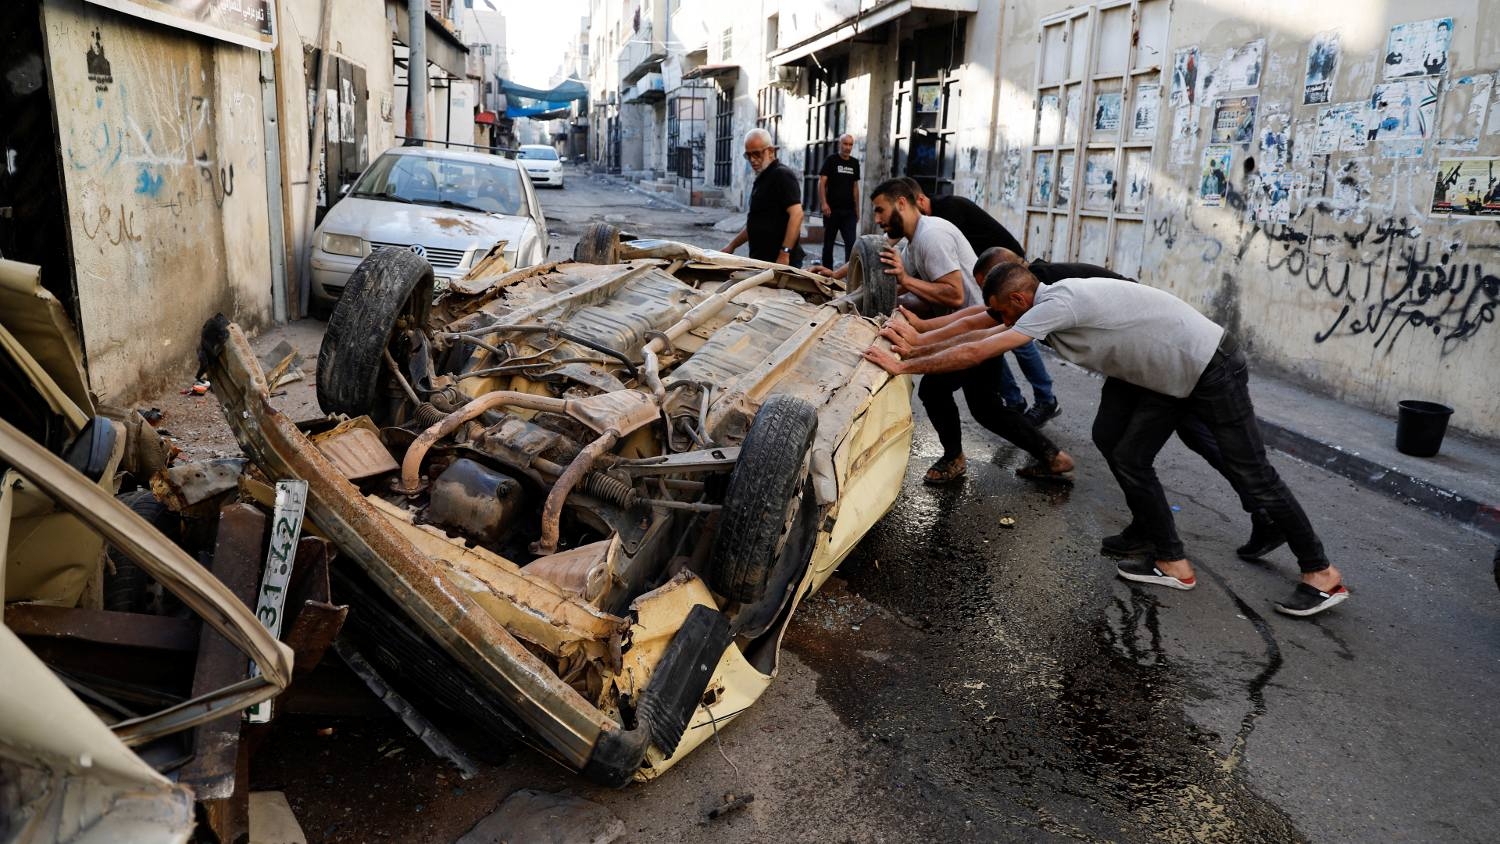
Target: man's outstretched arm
(957, 358)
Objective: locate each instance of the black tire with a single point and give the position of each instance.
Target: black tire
(390, 287)
(765, 497)
(127, 589)
(866, 273)
(599, 244)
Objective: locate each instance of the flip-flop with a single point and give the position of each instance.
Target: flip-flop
(946, 471)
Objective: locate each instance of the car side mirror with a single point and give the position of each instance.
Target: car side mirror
(344, 191)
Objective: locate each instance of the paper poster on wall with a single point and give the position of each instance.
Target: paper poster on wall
(1403, 110)
(1107, 112)
(1049, 120)
(1341, 127)
(1234, 120)
(1010, 188)
(1467, 187)
(1239, 70)
(1143, 115)
(1322, 64)
(1184, 134)
(1184, 77)
(1270, 198)
(1465, 101)
(1214, 179)
(1137, 180)
(1099, 180)
(1419, 48)
(929, 99)
(1041, 179)
(1070, 116)
(1065, 165)
(1273, 150)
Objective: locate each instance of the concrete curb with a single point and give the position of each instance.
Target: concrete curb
(1402, 486)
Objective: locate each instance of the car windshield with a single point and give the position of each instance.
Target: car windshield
(538, 153)
(450, 183)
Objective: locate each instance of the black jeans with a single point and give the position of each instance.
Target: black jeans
(1134, 423)
(842, 222)
(981, 386)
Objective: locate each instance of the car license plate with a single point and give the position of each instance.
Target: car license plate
(440, 283)
(286, 530)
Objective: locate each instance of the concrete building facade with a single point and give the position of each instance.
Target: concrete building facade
(1316, 177)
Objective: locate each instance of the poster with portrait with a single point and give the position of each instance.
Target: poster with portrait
(1322, 64)
(1107, 112)
(1214, 174)
(1465, 102)
(1234, 120)
(929, 99)
(1065, 165)
(1137, 180)
(1467, 187)
(1041, 179)
(1403, 110)
(1418, 49)
(1184, 77)
(1099, 180)
(1144, 113)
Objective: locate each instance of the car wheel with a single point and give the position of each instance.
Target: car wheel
(127, 588)
(391, 286)
(763, 536)
(600, 244)
(868, 274)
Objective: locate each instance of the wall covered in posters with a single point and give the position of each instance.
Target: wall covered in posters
(1349, 169)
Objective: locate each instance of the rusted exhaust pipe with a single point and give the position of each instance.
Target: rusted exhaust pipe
(558, 495)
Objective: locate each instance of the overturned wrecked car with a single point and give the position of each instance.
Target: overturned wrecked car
(582, 500)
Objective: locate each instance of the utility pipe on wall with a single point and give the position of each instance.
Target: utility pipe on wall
(416, 69)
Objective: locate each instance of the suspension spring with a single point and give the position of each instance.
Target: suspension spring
(610, 489)
(428, 415)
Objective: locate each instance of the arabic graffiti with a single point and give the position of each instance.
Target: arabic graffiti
(1407, 282)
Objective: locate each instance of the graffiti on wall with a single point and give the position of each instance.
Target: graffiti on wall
(151, 129)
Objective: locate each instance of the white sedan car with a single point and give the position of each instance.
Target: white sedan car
(449, 207)
(542, 164)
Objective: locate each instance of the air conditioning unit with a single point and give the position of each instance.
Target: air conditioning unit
(788, 77)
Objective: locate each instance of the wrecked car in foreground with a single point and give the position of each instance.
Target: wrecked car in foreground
(584, 499)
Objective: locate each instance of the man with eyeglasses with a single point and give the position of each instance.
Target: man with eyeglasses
(773, 225)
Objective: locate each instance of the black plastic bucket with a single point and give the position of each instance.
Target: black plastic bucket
(1420, 426)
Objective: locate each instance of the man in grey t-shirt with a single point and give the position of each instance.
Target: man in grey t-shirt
(1163, 358)
(942, 281)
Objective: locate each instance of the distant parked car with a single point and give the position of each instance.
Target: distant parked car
(448, 207)
(542, 164)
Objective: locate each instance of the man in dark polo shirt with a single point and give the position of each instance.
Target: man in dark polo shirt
(838, 193)
(773, 225)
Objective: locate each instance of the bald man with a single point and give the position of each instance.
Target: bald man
(773, 223)
(838, 194)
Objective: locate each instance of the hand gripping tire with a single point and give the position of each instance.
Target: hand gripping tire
(389, 286)
(866, 273)
(764, 535)
(599, 244)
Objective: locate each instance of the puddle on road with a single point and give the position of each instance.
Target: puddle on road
(1028, 699)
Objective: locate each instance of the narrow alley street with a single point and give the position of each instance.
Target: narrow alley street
(391, 451)
(960, 679)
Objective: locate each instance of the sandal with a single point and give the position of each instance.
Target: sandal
(1039, 471)
(946, 471)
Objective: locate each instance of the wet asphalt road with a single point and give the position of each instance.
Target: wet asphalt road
(963, 681)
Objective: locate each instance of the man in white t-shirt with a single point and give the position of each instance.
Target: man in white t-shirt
(941, 281)
(1163, 358)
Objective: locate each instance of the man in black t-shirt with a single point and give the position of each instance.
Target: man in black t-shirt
(773, 224)
(979, 228)
(838, 194)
